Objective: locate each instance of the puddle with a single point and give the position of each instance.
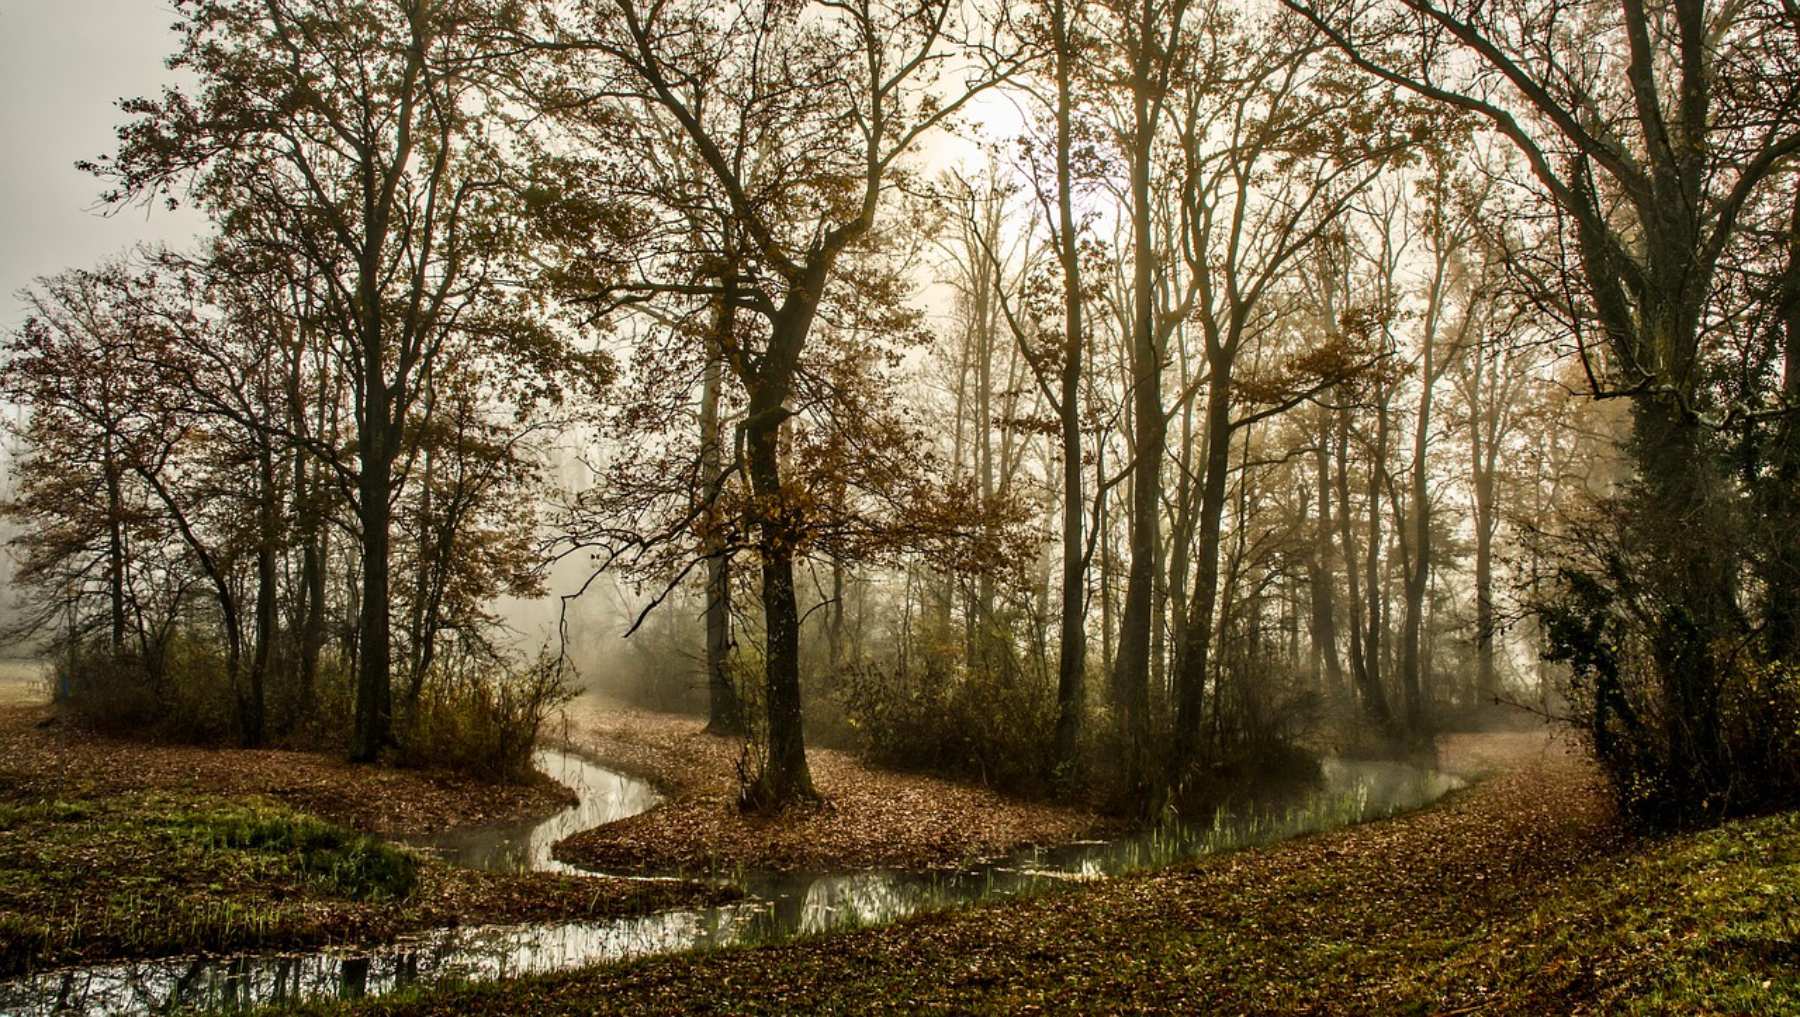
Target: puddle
(782, 905)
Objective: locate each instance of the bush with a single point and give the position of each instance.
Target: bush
(484, 719)
(1737, 751)
(183, 696)
(945, 717)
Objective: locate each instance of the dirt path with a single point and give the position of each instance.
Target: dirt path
(873, 818)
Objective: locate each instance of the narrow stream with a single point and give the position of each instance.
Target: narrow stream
(780, 905)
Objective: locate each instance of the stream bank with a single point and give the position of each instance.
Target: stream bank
(114, 849)
(1520, 895)
(874, 818)
(779, 906)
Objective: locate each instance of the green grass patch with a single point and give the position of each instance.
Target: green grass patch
(153, 873)
(357, 865)
(1700, 923)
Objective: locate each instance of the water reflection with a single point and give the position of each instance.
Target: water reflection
(604, 796)
(782, 905)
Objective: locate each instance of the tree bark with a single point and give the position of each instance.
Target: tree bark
(786, 776)
(373, 730)
(1071, 667)
(1193, 656)
(1131, 666)
(725, 713)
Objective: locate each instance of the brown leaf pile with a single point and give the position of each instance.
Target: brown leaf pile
(871, 818)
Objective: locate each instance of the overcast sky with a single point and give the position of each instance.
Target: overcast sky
(64, 64)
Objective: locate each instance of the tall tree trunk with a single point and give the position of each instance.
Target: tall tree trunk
(1192, 660)
(1680, 479)
(1781, 611)
(115, 546)
(785, 776)
(1368, 681)
(725, 712)
(267, 558)
(312, 588)
(1131, 667)
(374, 723)
(1324, 611)
(1482, 462)
(1071, 668)
(1419, 571)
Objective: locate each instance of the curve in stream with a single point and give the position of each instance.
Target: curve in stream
(779, 905)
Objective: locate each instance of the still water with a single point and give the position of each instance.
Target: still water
(778, 905)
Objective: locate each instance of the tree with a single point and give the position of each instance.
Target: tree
(758, 96)
(350, 135)
(1272, 159)
(1654, 145)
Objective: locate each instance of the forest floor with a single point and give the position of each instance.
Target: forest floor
(111, 848)
(872, 818)
(1523, 894)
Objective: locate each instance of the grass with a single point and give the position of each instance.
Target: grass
(1521, 896)
(1700, 923)
(151, 873)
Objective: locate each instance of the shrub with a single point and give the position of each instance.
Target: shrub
(990, 725)
(484, 718)
(184, 695)
(1737, 750)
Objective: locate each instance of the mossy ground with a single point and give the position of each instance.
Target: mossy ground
(151, 873)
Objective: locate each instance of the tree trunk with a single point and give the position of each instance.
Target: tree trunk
(267, 551)
(1368, 681)
(1071, 668)
(1781, 610)
(312, 589)
(1419, 572)
(1481, 454)
(115, 547)
(725, 713)
(1324, 611)
(785, 777)
(373, 729)
(1192, 660)
(1131, 667)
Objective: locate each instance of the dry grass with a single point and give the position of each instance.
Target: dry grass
(871, 819)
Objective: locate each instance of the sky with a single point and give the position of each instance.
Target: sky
(64, 64)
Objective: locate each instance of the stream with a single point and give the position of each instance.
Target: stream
(777, 905)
